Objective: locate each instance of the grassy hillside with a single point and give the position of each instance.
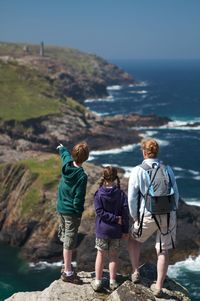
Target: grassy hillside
(32, 85)
(78, 61)
(24, 93)
(46, 172)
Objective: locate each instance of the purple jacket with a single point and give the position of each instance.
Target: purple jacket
(110, 203)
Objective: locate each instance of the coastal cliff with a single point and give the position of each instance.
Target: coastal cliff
(42, 105)
(28, 218)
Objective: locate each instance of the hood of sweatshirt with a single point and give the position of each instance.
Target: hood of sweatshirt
(72, 174)
(110, 194)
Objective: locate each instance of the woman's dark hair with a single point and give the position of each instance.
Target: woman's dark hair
(109, 174)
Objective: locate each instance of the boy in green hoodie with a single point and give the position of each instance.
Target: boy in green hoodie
(70, 202)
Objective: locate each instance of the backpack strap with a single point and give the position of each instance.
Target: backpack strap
(161, 233)
(145, 198)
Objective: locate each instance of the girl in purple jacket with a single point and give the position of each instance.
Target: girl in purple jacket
(111, 225)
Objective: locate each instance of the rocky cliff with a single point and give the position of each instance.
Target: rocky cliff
(127, 291)
(28, 218)
(38, 110)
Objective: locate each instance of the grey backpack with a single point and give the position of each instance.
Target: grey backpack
(159, 197)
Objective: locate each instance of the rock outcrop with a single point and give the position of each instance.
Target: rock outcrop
(28, 218)
(127, 291)
(70, 127)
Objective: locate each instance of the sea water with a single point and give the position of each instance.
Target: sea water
(165, 88)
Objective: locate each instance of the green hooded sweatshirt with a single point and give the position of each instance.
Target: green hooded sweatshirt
(72, 186)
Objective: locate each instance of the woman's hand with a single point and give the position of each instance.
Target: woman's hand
(119, 220)
(125, 236)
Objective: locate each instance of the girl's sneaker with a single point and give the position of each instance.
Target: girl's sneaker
(135, 278)
(113, 285)
(97, 286)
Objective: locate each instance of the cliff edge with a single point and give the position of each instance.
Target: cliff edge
(127, 291)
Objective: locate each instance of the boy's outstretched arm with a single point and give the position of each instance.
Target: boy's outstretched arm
(64, 154)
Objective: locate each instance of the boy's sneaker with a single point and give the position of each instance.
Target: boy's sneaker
(135, 277)
(113, 285)
(63, 268)
(97, 286)
(72, 279)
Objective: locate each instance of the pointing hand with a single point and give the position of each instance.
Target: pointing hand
(59, 146)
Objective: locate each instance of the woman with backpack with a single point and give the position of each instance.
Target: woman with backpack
(153, 199)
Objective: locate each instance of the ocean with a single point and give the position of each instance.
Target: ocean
(167, 88)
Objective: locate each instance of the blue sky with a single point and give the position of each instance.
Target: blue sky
(136, 29)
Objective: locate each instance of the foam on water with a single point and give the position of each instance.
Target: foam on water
(138, 92)
(41, 265)
(140, 84)
(125, 148)
(187, 173)
(182, 124)
(114, 88)
(105, 99)
(149, 133)
(192, 201)
(191, 264)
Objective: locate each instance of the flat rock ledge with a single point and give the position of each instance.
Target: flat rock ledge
(127, 291)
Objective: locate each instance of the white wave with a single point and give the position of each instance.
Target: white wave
(114, 88)
(104, 99)
(91, 158)
(194, 173)
(125, 148)
(178, 168)
(139, 92)
(192, 201)
(148, 134)
(102, 114)
(41, 265)
(140, 84)
(191, 264)
(99, 114)
(181, 125)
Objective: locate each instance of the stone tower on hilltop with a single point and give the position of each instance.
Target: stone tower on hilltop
(42, 49)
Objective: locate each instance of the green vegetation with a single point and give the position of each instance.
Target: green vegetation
(75, 105)
(23, 93)
(46, 173)
(75, 60)
(32, 86)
